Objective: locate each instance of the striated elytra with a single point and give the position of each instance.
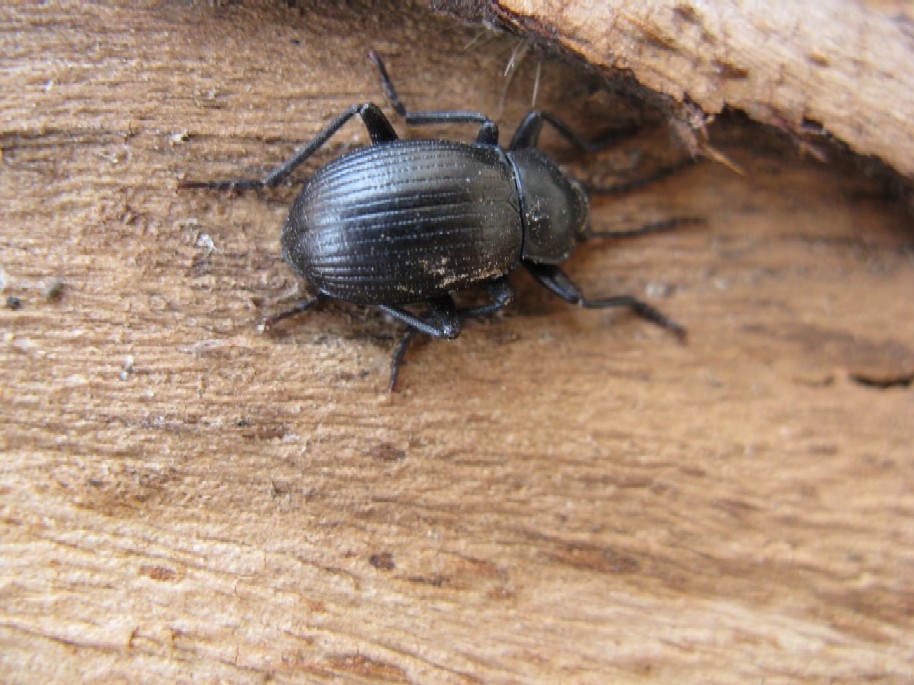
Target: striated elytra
(405, 222)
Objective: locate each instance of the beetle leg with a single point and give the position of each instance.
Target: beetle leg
(442, 320)
(555, 280)
(488, 133)
(268, 322)
(499, 289)
(528, 133)
(488, 129)
(397, 359)
(379, 130)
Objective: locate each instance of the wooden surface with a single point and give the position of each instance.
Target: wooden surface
(829, 68)
(558, 496)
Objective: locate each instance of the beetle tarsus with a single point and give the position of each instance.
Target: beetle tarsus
(266, 323)
(396, 360)
(239, 184)
(639, 308)
(555, 280)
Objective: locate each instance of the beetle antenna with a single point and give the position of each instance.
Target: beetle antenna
(536, 83)
(517, 56)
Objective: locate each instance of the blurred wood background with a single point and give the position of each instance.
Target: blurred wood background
(558, 496)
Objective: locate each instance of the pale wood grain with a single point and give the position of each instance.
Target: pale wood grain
(840, 68)
(558, 496)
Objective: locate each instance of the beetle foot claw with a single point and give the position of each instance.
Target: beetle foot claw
(682, 335)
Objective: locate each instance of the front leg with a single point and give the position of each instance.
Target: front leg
(528, 133)
(441, 320)
(555, 280)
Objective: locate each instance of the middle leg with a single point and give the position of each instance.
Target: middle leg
(488, 129)
(501, 295)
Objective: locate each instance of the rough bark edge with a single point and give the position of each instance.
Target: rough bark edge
(564, 30)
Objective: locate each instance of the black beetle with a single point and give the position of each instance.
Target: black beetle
(411, 221)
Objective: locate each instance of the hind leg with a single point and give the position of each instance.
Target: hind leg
(440, 320)
(379, 130)
(448, 318)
